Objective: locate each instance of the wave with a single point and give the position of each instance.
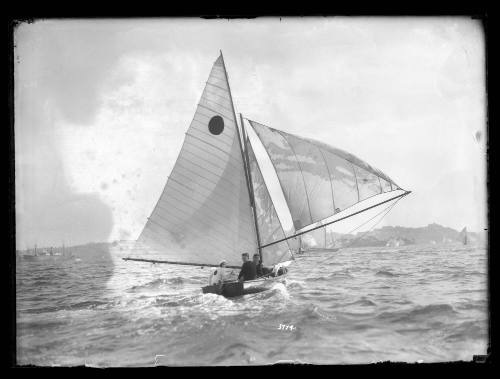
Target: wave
(467, 330)
(419, 313)
(235, 353)
(466, 274)
(364, 303)
(91, 304)
(159, 283)
(341, 274)
(386, 274)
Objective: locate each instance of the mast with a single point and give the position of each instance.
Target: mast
(245, 162)
(252, 195)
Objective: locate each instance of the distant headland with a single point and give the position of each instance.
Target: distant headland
(433, 234)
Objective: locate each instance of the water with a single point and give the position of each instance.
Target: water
(415, 303)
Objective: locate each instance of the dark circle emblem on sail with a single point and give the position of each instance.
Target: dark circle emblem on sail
(216, 125)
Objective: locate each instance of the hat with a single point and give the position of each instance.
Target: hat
(222, 262)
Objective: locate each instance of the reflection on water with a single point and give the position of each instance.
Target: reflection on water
(352, 306)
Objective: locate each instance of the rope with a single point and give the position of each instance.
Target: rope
(390, 206)
(387, 209)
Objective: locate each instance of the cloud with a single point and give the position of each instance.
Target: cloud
(103, 101)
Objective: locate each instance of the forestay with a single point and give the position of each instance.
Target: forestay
(204, 213)
(319, 180)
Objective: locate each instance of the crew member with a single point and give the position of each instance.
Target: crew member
(248, 269)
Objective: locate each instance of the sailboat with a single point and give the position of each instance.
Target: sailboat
(463, 235)
(319, 240)
(216, 203)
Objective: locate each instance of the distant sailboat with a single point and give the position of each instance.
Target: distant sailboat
(319, 240)
(216, 204)
(463, 236)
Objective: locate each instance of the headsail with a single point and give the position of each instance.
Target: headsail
(204, 213)
(318, 180)
(269, 225)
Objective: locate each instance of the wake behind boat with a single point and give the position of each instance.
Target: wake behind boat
(216, 204)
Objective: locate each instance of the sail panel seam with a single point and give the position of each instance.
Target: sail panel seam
(301, 174)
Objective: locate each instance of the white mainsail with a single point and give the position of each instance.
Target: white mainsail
(318, 180)
(204, 214)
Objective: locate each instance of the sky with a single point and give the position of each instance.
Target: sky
(101, 108)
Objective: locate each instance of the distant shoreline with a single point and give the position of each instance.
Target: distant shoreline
(430, 234)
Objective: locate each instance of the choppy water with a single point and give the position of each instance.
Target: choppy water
(416, 303)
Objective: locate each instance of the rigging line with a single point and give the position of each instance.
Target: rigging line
(340, 219)
(389, 208)
(349, 207)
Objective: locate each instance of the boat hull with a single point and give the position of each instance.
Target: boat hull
(235, 288)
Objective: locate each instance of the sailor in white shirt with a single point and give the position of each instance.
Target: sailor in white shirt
(219, 275)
